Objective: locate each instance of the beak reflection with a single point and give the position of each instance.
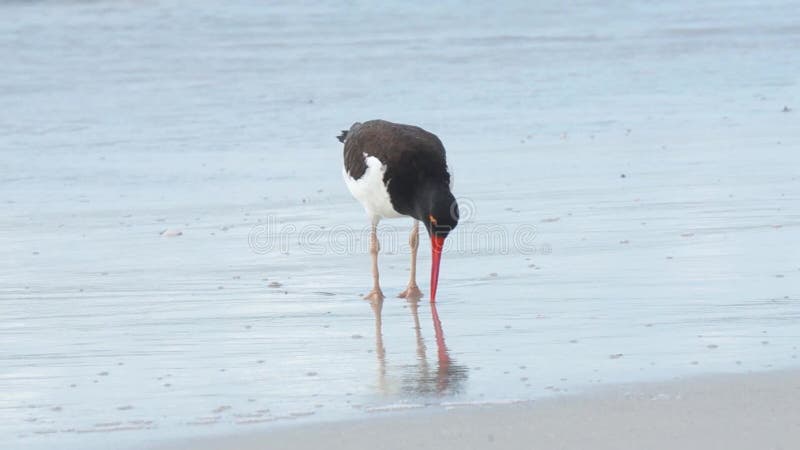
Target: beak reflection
(439, 376)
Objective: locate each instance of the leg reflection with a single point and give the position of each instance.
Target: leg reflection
(448, 377)
(380, 350)
(423, 370)
(423, 378)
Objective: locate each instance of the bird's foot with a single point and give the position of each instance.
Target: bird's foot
(412, 292)
(375, 294)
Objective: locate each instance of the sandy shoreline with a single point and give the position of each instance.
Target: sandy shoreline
(183, 259)
(754, 411)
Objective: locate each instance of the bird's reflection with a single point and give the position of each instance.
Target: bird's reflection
(445, 377)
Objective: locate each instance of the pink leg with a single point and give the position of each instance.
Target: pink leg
(412, 292)
(374, 248)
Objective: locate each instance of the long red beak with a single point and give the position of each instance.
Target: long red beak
(437, 243)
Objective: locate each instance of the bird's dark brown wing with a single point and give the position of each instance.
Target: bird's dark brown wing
(414, 158)
(393, 144)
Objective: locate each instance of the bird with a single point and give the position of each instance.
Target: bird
(394, 171)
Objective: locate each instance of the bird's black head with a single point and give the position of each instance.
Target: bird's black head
(437, 209)
(439, 212)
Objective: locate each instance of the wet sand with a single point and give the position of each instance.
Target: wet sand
(754, 411)
(180, 256)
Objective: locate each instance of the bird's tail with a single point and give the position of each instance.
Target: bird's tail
(343, 137)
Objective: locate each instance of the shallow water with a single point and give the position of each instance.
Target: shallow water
(124, 119)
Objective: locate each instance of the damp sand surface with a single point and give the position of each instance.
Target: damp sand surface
(732, 412)
(181, 257)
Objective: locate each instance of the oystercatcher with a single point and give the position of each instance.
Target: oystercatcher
(397, 170)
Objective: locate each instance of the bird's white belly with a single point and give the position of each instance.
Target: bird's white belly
(370, 191)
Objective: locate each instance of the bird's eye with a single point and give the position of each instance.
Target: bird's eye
(432, 219)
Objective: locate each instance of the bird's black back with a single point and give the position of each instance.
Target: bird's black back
(415, 159)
